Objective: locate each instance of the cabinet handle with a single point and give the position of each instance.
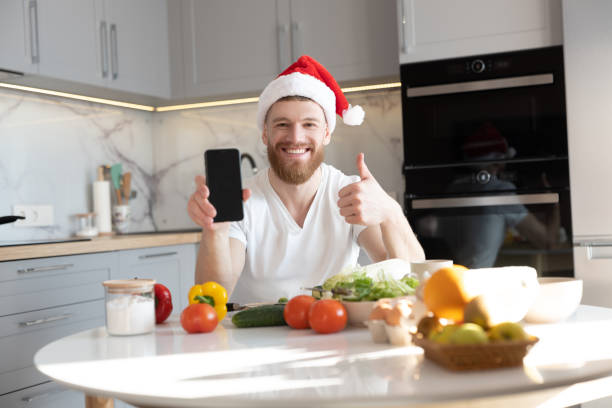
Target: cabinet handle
(42, 395)
(45, 268)
(33, 9)
(158, 255)
(104, 48)
(283, 31)
(483, 85)
(485, 201)
(114, 54)
(296, 40)
(45, 320)
(407, 41)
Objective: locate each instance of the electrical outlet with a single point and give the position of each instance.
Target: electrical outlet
(35, 215)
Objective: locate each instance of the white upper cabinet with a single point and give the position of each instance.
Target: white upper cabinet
(132, 45)
(65, 40)
(438, 29)
(230, 46)
(353, 39)
(14, 45)
(238, 46)
(114, 44)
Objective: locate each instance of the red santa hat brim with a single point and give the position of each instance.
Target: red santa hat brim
(307, 77)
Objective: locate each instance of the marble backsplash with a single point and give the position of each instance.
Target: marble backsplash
(50, 148)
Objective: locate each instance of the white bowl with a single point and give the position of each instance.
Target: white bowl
(358, 312)
(557, 299)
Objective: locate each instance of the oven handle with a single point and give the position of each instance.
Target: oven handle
(485, 201)
(483, 85)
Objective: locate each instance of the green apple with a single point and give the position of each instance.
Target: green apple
(469, 333)
(443, 336)
(507, 331)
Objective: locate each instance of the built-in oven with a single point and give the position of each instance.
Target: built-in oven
(486, 161)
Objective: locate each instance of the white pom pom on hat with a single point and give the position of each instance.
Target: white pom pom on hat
(307, 77)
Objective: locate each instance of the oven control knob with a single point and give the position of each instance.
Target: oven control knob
(483, 177)
(478, 66)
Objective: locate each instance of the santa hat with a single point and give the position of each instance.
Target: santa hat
(307, 77)
(487, 143)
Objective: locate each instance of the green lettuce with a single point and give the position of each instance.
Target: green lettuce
(354, 284)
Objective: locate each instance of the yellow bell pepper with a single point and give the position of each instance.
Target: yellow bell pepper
(211, 293)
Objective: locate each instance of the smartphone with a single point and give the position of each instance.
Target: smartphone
(225, 183)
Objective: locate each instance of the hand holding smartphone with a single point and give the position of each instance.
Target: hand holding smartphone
(225, 183)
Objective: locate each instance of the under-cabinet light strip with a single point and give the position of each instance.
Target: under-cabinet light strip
(206, 104)
(175, 107)
(255, 99)
(79, 97)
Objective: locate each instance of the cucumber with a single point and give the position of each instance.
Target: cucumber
(260, 316)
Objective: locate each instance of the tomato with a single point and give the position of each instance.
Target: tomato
(199, 318)
(327, 316)
(296, 311)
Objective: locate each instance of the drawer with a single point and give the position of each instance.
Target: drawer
(46, 395)
(160, 263)
(25, 333)
(48, 282)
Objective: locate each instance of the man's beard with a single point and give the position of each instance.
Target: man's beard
(295, 173)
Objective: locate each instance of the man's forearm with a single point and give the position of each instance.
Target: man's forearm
(214, 260)
(398, 238)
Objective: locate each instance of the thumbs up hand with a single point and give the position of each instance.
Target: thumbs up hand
(364, 202)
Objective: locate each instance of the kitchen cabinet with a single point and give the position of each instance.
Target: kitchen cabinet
(172, 266)
(132, 39)
(238, 46)
(42, 300)
(46, 395)
(65, 42)
(588, 63)
(74, 44)
(439, 29)
(13, 50)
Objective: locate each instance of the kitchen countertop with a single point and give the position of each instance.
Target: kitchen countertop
(279, 367)
(99, 244)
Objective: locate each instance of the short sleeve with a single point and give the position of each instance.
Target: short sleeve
(516, 215)
(237, 231)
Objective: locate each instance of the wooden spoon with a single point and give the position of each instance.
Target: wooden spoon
(127, 183)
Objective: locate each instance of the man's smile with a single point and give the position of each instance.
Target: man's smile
(295, 151)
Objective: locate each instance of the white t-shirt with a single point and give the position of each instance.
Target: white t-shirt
(281, 257)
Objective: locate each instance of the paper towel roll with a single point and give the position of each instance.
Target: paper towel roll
(102, 206)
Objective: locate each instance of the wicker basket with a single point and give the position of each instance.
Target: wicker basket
(477, 356)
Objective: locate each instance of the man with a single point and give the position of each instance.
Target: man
(305, 220)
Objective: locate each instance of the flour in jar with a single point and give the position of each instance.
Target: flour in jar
(130, 314)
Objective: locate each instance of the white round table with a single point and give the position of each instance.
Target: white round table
(281, 367)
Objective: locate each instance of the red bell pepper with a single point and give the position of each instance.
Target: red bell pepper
(163, 303)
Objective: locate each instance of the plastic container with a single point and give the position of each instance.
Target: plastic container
(130, 306)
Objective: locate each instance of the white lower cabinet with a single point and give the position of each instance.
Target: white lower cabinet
(45, 395)
(44, 299)
(168, 265)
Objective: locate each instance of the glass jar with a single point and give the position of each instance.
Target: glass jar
(130, 306)
(86, 225)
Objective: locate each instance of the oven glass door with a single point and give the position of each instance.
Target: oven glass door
(501, 229)
(452, 115)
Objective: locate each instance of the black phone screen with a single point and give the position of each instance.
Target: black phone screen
(224, 182)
